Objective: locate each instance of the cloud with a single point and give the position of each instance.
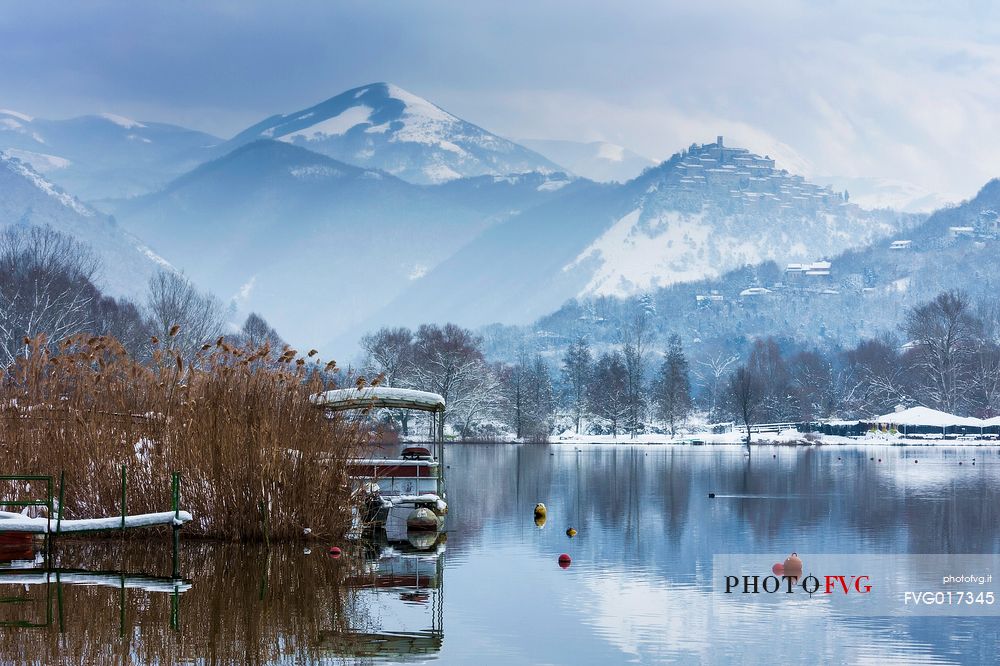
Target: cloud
(901, 90)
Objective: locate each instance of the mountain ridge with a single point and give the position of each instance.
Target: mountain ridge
(381, 125)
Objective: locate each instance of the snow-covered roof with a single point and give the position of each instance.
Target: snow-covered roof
(925, 416)
(377, 397)
(995, 421)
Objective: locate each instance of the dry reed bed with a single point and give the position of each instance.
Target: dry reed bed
(236, 422)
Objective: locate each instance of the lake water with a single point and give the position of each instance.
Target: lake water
(639, 589)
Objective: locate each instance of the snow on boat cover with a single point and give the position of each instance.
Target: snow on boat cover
(378, 397)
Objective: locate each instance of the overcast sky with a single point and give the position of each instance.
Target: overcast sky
(908, 90)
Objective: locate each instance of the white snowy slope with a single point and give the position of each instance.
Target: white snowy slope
(381, 125)
(27, 198)
(705, 211)
(717, 208)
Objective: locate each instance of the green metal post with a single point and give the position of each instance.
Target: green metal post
(48, 520)
(59, 602)
(175, 610)
(62, 495)
(121, 607)
(123, 498)
(176, 492)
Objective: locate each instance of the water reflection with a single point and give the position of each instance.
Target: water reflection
(639, 587)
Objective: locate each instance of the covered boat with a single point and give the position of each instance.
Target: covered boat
(406, 491)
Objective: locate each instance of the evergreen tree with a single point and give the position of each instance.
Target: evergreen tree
(672, 387)
(576, 370)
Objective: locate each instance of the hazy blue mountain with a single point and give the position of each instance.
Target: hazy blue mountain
(699, 215)
(891, 193)
(385, 127)
(313, 243)
(598, 160)
(863, 292)
(103, 156)
(26, 198)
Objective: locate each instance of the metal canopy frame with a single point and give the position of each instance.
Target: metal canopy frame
(386, 397)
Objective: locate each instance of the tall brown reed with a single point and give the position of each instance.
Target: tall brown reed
(257, 460)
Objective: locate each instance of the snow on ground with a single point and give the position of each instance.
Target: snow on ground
(334, 126)
(315, 172)
(785, 437)
(552, 185)
(40, 162)
(610, 152)
(17, 114)
(639, 255)
(48, 187)
(121, 121)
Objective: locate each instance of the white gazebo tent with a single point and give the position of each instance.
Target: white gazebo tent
(927, 419)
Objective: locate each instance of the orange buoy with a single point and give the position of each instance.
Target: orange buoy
(778, 569)
(335, 552)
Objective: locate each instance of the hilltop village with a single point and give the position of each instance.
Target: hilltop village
(741, 181)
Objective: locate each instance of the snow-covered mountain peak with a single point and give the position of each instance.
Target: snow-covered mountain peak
(384, 126)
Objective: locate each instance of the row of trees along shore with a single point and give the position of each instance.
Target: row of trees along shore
(90, 383)
(945, 355)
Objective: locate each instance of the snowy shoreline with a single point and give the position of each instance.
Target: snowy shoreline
(784, 438)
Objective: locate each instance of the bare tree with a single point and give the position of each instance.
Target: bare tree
(45, 288)
(945, 335)
(875, 379)
(608, 392)
(711, 374)
(256, 332)
(770, 372)
(478, 397)
(747, 396)
(389, 353)
(986, 380)
(813, 385)
(447, 360)
(177, 306)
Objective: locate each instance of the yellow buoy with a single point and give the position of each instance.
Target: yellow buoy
(571, 533)
(540, 515)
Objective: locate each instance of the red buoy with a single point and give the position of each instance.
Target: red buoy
(335, 552)
(565, 560)
(778, 569)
